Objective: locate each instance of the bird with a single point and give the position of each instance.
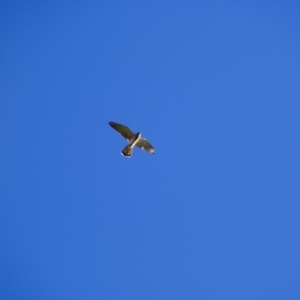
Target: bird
(134, 139)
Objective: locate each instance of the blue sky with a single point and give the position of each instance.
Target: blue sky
(214, 213)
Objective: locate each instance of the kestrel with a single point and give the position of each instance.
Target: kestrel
(134, 139)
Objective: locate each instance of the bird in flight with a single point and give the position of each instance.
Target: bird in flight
(134, 139)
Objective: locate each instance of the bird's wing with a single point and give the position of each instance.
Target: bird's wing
(123, 130)
(145, 145)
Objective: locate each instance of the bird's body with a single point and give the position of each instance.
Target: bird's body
(134, 139)
(127, 151)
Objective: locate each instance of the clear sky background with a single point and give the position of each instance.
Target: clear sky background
(214, 213)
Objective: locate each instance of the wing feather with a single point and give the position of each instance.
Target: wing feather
(123, 130)
(145, 145)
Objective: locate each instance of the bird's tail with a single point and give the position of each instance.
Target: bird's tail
(127, 151)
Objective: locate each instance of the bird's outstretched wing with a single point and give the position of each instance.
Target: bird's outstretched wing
(145, 145)
(123, 130)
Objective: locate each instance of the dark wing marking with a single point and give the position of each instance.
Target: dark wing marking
(123, 130)
(145, 145)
